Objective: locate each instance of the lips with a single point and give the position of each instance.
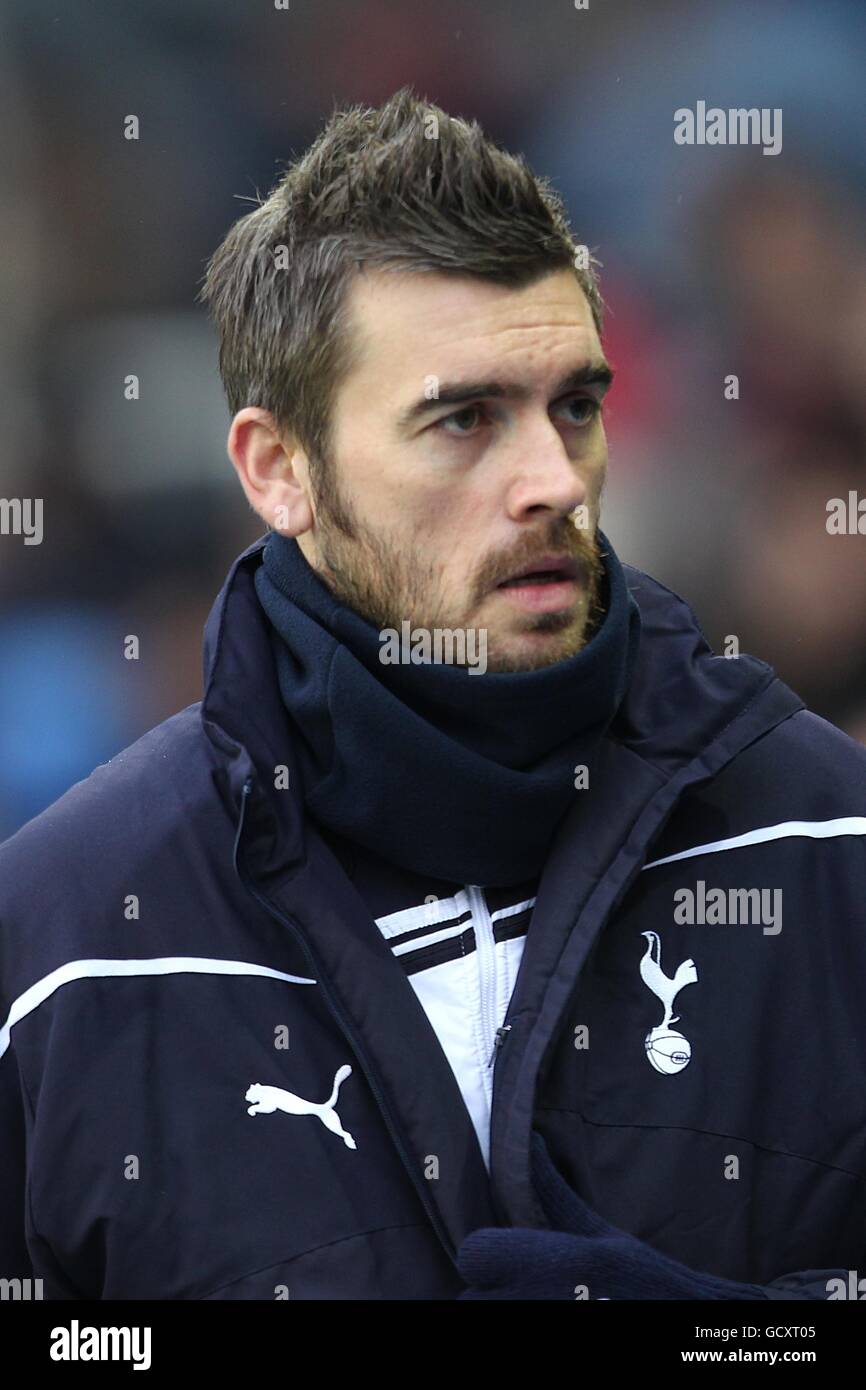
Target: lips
(547, 569)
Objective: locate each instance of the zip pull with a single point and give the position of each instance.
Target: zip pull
(246, 792)
(499, 1039)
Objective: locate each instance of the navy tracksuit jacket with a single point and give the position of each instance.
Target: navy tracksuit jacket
(218, 1079)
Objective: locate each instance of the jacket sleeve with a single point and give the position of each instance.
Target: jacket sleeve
(24, 1254)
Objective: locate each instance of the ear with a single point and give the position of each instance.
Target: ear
(273, 471)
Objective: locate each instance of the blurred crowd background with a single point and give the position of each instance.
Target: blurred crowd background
(716, 261)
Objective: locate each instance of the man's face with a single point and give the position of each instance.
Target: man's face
(465, 435)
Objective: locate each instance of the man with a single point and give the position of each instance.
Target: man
(538, 972)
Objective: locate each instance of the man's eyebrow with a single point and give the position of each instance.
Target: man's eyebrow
(598, 374)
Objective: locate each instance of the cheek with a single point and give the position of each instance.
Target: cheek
(443, 535)
(596, 469)
(444, 508)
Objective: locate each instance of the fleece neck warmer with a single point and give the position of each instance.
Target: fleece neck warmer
(453, 774)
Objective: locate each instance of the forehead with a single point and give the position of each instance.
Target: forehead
(409, 324)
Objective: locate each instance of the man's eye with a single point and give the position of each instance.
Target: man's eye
(470, 410)
(586, 408)
(462, 422)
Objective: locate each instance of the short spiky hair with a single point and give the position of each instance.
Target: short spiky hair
(401, 187)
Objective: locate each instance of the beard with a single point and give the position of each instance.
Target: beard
(386, 581)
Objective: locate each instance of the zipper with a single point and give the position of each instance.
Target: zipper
(486, 944)
(498, 1041)
(344, 1024)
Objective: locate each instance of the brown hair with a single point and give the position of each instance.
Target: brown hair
(400, 187)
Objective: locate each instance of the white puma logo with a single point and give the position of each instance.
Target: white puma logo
(267, 1099)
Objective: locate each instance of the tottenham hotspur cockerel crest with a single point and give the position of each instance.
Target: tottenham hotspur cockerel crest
(667, 1050)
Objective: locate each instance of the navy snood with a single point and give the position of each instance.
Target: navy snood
(457, 775)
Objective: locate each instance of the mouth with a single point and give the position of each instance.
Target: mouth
(547, 584)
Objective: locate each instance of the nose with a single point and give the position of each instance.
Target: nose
(545, 476)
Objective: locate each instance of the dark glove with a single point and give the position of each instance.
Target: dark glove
(583, 1251)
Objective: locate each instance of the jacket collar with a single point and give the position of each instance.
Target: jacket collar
(246, 722)
(680, 698)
